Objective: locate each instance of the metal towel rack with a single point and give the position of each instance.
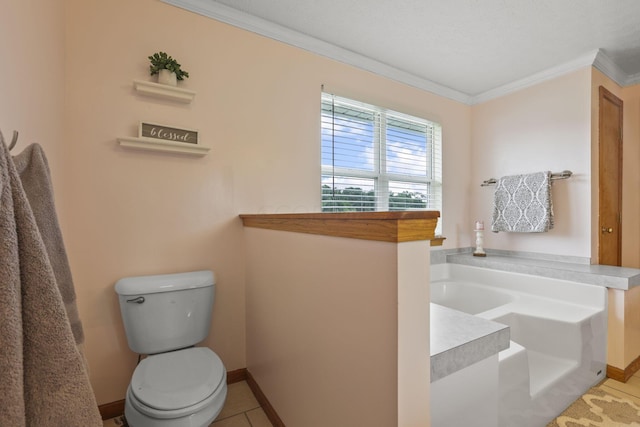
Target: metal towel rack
(559, 175)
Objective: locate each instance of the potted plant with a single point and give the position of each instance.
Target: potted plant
(167, 69)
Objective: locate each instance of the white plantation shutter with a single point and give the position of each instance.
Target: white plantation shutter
(377, 159)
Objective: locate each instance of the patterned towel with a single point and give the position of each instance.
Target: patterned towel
(522, 204)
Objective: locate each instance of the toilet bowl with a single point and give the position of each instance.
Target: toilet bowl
(182, 388)
(176, 385)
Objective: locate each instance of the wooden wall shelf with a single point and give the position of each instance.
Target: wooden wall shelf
(157, 90)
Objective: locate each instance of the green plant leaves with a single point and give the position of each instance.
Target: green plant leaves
(162, 61)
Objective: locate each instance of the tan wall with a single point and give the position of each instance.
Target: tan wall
(631, 326)
(32, 85)
(631, 217)
(616, 329)
(257, 105)
(631, 177)
(543, 127)
(322, 327)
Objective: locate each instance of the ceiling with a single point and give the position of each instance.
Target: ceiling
(463, 49)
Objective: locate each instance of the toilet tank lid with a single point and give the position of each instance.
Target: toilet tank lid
(140, 285)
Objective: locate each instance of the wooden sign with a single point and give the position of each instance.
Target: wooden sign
(167, 133)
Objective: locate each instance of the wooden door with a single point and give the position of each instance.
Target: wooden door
(610, 176)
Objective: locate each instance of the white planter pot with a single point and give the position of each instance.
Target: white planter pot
(166, 77)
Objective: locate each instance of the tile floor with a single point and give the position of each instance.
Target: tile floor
(241, 409)
(629, 390)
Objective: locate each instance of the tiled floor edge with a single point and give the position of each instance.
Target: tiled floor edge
(271, 413)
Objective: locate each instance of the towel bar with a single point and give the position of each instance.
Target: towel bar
(560, 175)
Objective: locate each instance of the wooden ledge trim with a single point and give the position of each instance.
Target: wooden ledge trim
(438, 241)
(623, 375)
(380, 226)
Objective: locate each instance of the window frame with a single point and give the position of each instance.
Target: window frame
(382, 179)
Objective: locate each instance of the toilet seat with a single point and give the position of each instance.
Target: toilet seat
(168, 383)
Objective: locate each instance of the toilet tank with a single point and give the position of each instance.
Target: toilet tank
(166, 312)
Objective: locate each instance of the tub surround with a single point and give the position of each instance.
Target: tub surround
(573, 270)
(557, 332)
(623, 358)
(459, 340)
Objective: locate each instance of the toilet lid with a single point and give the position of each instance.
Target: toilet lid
(177, 379)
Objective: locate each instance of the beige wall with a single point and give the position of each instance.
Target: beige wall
(32, 85)
(623, 346)
(257, 105)
(321, 336)
(631, 178)
(543, 127)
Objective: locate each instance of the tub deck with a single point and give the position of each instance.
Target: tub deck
(459, 340)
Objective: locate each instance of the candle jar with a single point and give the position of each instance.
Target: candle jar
(479, 229)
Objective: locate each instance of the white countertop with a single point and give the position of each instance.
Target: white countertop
(459, 340)
(601, 275)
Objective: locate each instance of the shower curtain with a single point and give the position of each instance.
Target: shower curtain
(44, 381)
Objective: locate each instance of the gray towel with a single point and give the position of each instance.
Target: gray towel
(44, 381)
(33, 168)
(522, 203)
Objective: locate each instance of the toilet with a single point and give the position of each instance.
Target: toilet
(164, 317)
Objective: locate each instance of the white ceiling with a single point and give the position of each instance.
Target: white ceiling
(458, 48)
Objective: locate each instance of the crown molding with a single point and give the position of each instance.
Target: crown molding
(231, 16)
(603, 63)
(246, 21)
(548, 74)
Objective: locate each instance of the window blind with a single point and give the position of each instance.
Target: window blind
(378, 159)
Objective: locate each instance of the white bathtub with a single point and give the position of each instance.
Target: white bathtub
(558, 335)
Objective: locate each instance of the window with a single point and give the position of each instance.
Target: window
(375, 159)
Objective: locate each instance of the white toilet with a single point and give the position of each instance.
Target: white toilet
(177, 384)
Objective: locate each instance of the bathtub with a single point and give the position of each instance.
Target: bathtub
(558, 335)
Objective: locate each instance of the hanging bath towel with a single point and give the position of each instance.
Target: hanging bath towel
(33, 168)
(522, 203)
(44, 380)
